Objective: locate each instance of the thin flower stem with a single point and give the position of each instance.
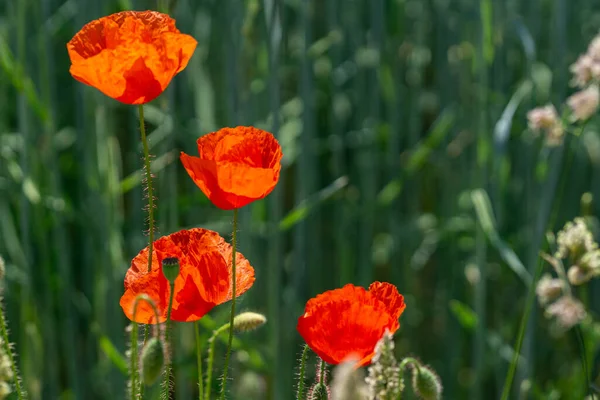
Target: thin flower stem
(167, 383)
(322, 368)
(211, 359)
(199, 359)
(149, 186)
(303, 357)
(233, 296)
(8, 351)
(136, 388)
(133, 370)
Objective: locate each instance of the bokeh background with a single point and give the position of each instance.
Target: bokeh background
(399, 120)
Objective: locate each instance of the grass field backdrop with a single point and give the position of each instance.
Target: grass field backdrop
(406, 159)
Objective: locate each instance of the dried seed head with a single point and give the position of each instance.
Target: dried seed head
(545, 119)
(577, 275)
(153, 360)
(584, 103)
(170, 268)
(574, 240)
(548, 289)
(426, 384)
(542, 118)
(567, 311)
(583, 70)
(590, 262)
(248, 321)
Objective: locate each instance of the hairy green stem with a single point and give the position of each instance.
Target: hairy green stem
(303, 357)
(211, 358)
(133, 370)
(167, 383)
(322, 368)
(11, 358)
(233, 296)
(199, 359)
(136, 388)
(149, 186)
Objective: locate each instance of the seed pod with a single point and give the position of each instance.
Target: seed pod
(426, 384)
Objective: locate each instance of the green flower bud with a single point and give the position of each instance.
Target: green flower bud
(153, 360)
(319, 392)
(248, 321)
(426, 384)
(170, 268)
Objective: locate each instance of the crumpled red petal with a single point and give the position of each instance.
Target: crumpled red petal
(348, 322)
(130, 56)
(236, 166)
(204, 279)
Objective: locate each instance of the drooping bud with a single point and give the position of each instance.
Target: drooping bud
(153, 360)
(170, 268)
(248, 321)
(426, 384)
(319, 392)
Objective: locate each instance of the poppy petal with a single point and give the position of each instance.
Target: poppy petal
(130, 56)
(344, 323)
(236, 166)
(204, 279)
(388, 295)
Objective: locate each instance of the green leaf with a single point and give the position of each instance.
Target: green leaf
(113, 355)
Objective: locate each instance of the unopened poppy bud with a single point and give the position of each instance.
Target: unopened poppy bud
(248, 321)
(319, 392)
(153, 360)
(170, 268)
(426, 384)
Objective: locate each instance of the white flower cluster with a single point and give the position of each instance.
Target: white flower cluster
(384, 374)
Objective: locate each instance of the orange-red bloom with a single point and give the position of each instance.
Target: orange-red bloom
(204, 279)
(236, 165)
(130, 56)
(348, 322)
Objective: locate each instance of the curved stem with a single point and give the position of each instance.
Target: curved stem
(8, 351)
(135, 388)
(149, 186)
(303, 357)
(199, 359)
(211, 359)
(233, 297)
(167, 383)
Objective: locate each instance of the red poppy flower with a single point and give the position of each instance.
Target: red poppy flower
(236, 165)
(130, 56)
(348, 322)
(204, 279)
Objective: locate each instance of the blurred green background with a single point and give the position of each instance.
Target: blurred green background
(397, 118)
